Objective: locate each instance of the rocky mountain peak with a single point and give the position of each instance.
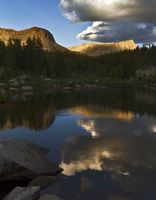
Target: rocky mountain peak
(97, 49)
(46, 37)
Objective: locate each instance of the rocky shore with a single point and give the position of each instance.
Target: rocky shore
(22, 160)
(28, 85)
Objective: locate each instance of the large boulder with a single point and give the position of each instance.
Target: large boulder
(21, 159)
(20, 193)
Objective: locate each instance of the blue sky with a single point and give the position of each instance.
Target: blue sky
(88, 20)
(20, 14)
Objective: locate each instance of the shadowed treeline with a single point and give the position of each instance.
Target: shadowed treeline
(30, 58)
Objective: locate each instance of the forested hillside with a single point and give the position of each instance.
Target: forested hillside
(30, 58)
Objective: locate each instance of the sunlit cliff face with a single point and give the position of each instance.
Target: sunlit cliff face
(98, 48)
(119, 155)
(47, 39)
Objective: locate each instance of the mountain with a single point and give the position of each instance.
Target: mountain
(46, 37)
(97, 49)
(49, 43)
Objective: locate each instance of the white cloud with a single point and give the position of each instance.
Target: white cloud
(110, 10)
(117, 31)
(114, 20)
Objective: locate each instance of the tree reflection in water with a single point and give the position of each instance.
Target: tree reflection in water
(105, 140)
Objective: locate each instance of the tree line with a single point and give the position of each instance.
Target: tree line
(17, 58)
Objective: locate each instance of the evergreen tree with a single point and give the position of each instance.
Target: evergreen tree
(16, 58)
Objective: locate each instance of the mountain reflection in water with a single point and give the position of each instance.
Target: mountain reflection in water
(104, 140)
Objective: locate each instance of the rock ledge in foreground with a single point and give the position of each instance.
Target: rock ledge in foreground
(20, 193)
(21, 159)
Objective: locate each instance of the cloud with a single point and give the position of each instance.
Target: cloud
(117, 31)
(109, 10)
(114, 20)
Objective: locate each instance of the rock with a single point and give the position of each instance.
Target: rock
(66, 88)
(27, 88)
(78, 86)
(147, 72)
(27, 93)
(47, 79)
(49, 197)
(23, 77)
(22, 160)
(14, 82)
(44, 181)
(21, 193)
(13, 89)
(22, 82)
(2, 91)
(2, 84)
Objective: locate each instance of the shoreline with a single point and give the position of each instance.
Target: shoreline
(25, 85)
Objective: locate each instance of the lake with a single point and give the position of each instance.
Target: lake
(104, 140)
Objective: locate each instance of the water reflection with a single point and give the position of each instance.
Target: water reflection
(108, 168)
(39, 112)
(34, 114)
(103, 126)
(118, 154)
(154, 128)
(104, 141)
(97, 111)
(89, 126)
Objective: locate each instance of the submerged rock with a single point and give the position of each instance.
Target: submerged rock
(22, 160)
(20, 193)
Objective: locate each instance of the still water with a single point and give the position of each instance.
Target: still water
(104, 140)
